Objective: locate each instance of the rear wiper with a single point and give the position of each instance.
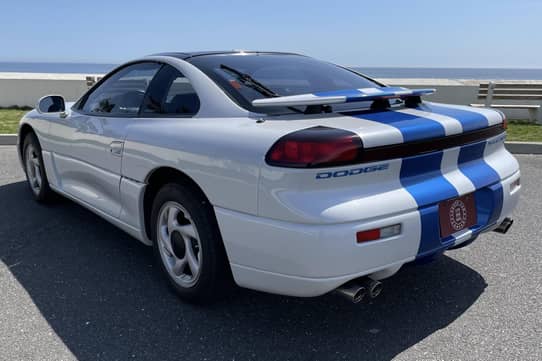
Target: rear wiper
(250, 82)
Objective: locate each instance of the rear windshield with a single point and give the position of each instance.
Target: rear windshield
(282, 74)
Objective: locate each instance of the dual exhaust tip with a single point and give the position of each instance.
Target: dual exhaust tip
(357, 290)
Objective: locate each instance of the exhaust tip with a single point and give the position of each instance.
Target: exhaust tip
(504, 226)
(353, 292)
(374, 288)
(356, 290)
(359, 296)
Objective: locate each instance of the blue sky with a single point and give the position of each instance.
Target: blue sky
(424, 33)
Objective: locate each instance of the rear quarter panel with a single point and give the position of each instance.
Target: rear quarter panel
(222, 155)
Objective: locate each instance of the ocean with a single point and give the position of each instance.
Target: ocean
(454, 73)
(375, 72)
(63, 68)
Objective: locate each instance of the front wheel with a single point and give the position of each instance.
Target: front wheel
(187, 244)
(35, 170)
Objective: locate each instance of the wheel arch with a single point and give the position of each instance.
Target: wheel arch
(24, 130)
(155, 180)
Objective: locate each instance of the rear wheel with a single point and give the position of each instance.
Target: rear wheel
(187, 244)
(34, 169)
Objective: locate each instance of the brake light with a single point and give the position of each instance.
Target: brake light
(504, 121)
(316, 147)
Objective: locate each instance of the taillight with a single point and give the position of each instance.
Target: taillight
(504, 121)
(316, 147)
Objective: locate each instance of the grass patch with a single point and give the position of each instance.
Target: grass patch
(520, 131)
(9, 120)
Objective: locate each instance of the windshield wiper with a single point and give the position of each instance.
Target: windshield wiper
(250, 82)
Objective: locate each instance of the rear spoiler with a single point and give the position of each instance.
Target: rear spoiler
(341, 96)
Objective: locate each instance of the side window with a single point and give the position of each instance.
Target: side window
(170, 93)
(123, 92)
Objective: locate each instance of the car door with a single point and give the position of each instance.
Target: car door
(87, 145)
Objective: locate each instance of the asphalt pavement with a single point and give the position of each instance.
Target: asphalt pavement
(72, 286)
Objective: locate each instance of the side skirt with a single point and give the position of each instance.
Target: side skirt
(132, 231)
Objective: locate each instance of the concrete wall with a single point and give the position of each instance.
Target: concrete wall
(26, 88)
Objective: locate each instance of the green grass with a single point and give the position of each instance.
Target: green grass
(523, 131)
(517, 130)
(9, 120)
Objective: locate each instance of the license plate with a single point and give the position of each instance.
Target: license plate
(457, 214)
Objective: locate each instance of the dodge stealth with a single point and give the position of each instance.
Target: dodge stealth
(276, 171)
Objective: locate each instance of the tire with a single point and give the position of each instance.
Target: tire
(188, 246)
(35, 170)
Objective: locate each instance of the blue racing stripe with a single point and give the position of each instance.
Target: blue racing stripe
(469, 120)
(411, 127)
(489, 192)
(471, 163)
(346, 93)
(430, 242)
(423, 179)
(489, 203)
(498, 201)
(356, 95)
(421, 176)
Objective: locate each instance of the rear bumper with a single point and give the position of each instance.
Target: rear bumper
(312, 259)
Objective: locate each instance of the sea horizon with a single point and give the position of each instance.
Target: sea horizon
(372, 71)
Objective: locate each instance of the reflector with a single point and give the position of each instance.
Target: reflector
(378, 233)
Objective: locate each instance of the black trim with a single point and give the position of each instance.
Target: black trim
(78, 106)
(410, 149)
(188, 55)
(141, 114)
(208, 68)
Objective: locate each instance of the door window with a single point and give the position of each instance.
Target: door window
(170, 94)
(122, 93)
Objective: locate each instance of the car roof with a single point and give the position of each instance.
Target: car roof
(187, 55)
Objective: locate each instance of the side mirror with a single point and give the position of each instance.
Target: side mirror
(51, 104)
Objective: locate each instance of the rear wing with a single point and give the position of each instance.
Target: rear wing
(341, 96)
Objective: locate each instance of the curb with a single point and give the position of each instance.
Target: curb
(513, 147)
(524, 147)
(8, 139)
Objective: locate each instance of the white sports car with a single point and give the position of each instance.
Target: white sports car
(284, 173)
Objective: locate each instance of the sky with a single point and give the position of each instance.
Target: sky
(413, 33)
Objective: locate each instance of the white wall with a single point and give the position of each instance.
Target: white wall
(26, 88)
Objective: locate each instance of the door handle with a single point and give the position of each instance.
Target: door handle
(116, 148)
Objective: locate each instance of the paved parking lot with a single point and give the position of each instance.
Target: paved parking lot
(74, 287)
